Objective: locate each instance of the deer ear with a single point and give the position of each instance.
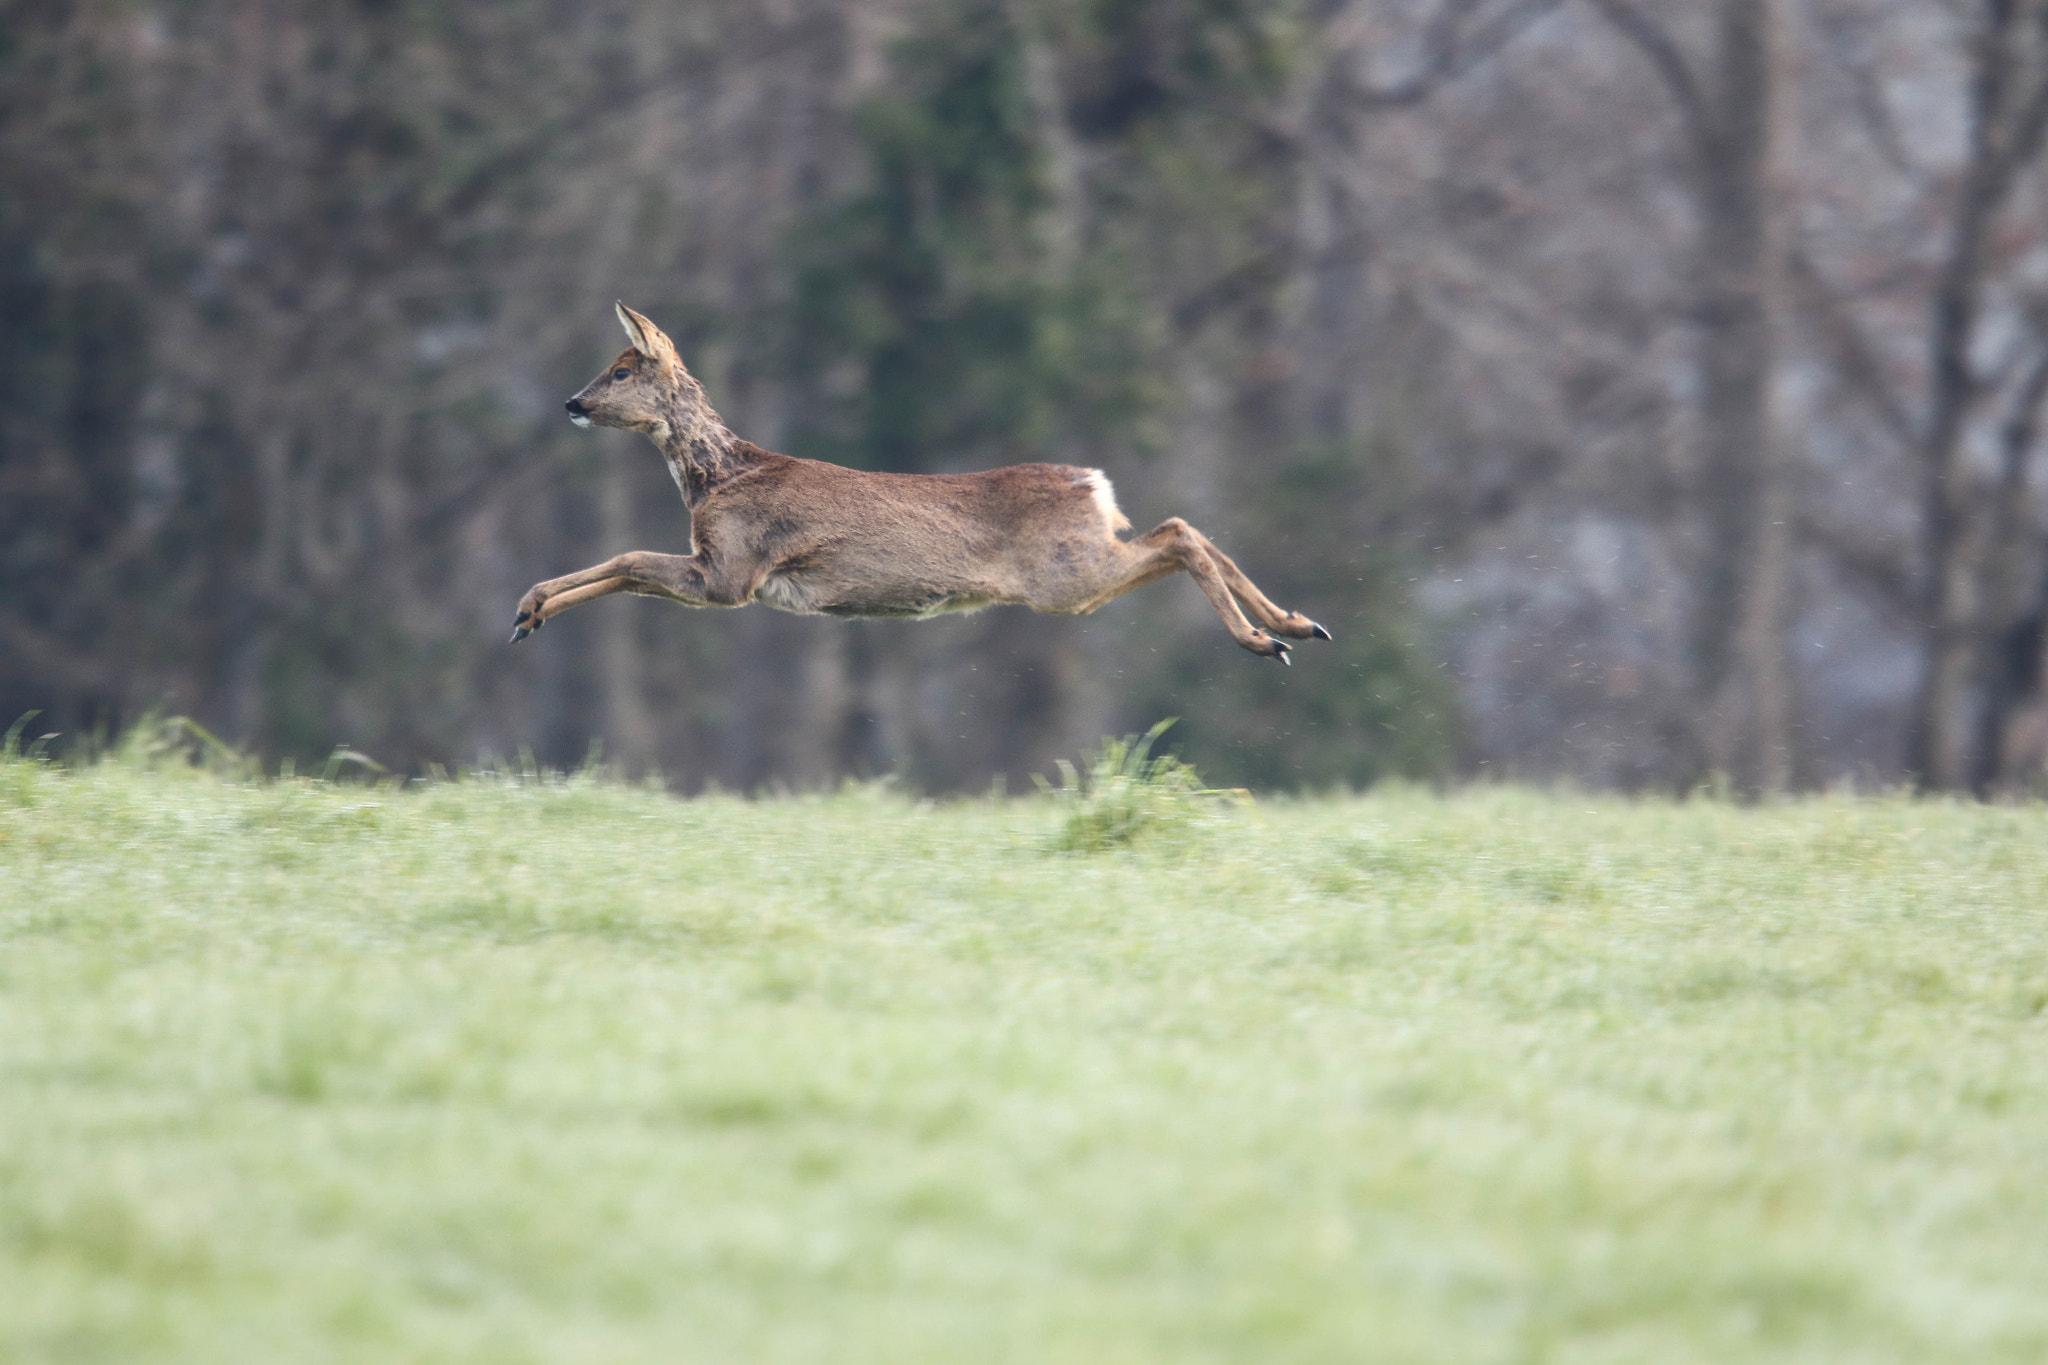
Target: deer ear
(647, 339)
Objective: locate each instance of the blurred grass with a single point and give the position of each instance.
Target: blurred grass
(544, 1071)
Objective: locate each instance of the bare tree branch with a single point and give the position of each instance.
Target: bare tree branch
(1452, 47)
(1656, 43)
(1851, 345)
(2019, 435)
(2023, 141)
(1867, 95)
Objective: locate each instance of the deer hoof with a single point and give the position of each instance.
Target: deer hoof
(519, 633)
(1295, 626)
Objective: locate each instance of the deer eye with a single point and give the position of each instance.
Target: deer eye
(622, 373)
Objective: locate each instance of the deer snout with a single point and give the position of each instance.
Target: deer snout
(579, 412)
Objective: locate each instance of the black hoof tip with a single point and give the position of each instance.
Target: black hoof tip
(1319, 633)
(519, 634)
(1280, 653)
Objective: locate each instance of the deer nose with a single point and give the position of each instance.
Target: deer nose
(576, 408)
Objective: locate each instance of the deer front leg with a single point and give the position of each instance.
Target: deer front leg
(678, 577)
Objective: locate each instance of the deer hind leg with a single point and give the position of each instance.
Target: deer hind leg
(1175, 547)
(1289, 623)
(655, 575)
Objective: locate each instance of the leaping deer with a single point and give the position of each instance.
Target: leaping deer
(809, 537)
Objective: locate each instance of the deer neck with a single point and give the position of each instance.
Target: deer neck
(699, 449)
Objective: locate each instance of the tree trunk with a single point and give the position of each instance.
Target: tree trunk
(1739, 636)
(1965, 542)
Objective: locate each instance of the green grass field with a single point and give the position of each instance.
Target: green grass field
(541, 1071)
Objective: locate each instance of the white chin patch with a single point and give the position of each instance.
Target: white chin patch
(580, 421)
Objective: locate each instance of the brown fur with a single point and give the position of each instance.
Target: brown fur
(805, 536)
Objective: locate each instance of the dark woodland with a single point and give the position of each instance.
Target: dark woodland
(1648, 394)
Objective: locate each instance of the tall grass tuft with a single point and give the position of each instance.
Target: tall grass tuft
(1129, 795)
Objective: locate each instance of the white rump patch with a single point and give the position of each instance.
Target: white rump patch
(1098, 485)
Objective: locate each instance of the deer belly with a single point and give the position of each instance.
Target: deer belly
(904, 608)
(785, 593)
(807, 596)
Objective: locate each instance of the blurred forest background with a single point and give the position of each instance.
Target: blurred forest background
(1642, 390)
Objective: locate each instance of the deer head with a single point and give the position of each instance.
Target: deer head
(646, 389)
